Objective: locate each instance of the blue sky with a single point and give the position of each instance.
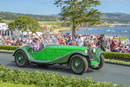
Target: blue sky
(46, 7)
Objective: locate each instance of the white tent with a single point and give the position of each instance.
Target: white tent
(3, 26)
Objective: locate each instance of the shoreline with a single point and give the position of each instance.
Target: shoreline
(120, 34)
(61, 29)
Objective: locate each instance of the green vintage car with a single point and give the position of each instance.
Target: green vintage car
(77, 58)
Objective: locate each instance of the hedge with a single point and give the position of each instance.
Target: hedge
(118, 56)
(47, 79)
(5, 47)
(4, 84)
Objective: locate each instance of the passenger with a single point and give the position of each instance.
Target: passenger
(35, 44)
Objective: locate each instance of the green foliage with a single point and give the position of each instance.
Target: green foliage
(116, 55)
(26, 23)
(3, 84)
(13, 16)
(12, 25)
(5, 47)
(106, 17)
(77, 12)
(1, 21)
(47, 79)
(119, 58)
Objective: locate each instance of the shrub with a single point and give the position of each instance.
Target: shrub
(46, 79)
(4, 47)
(115, 55)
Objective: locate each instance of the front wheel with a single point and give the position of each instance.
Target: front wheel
(100, 64)
(78, 64)
(21, 59)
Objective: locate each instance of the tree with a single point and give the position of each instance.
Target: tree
(78, 12)
(26, 23)
(12, 25)
(1, 20)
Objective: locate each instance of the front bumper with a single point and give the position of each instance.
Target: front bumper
(94, 63)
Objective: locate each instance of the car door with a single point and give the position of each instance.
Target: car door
(51, 53)
(54, 52)
(39, 55)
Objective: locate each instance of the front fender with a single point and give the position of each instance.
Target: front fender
(25, 49)
(97, 54)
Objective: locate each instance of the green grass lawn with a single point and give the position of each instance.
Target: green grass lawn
(3, 84)
(50, 22)
(122, 38)
(6, 50)
(117, 61)
(7, 21)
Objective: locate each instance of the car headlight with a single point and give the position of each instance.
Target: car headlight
(86, 51)
(94, 50)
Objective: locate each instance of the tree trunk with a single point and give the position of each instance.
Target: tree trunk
(73, 31)
(36, 33)
(28, 34)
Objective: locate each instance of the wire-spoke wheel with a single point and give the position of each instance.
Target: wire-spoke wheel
(21, 58)
(78, 64)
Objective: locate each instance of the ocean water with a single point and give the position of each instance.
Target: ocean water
(119, 30)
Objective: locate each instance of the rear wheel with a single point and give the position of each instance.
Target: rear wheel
(78, 64)
(101, 63)
(21, 58)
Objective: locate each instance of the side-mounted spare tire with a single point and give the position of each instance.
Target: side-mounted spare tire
(100, 64)
(21, 58)
(78, 64)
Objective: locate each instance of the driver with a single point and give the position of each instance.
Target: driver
(35, 44)
(101, 42)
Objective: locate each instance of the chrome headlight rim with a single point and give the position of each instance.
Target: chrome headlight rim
(94, 50)
(85, 51)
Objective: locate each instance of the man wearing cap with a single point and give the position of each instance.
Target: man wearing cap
(35, 44)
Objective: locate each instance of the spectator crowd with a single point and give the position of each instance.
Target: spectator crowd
(108, 43)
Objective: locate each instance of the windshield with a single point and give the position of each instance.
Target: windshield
(51, 44)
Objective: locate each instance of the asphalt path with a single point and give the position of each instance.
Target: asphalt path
(111, 73)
